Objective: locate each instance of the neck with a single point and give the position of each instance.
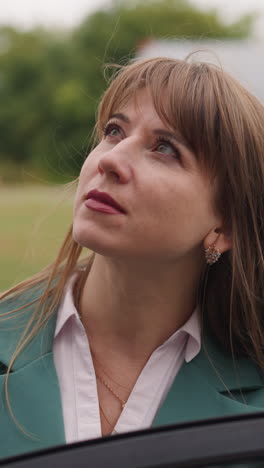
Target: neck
(131, 309)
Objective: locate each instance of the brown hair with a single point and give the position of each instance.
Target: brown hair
(223, 124)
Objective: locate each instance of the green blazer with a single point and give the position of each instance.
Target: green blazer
(208, 386)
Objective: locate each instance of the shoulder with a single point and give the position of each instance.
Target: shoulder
(224, 371)
(19, 323)
(18, 307)
(21, 299)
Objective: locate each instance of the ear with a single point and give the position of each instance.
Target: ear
(220, 238)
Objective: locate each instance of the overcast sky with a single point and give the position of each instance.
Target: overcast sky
(28, 13)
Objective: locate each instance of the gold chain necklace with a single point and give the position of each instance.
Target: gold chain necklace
(107, 375)
(77, 299)
(122, 402)
(112, 426)
(77, 291)
(106, 384)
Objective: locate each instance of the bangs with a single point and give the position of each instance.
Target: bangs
(183, 97)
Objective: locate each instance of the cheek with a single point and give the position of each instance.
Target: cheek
(88, 165)
(183, 211)
(88, 170)
(83, 182)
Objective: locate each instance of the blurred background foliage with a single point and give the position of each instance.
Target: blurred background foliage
(51, 81)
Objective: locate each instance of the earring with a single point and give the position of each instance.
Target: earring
(212, 254)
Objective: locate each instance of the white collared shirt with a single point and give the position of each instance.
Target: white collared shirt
(77, 380)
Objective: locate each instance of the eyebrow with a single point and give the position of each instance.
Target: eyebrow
(170, 135)
(158, 131)
(121, 117)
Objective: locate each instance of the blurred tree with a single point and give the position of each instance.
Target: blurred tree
(50, 83)
(114, 34)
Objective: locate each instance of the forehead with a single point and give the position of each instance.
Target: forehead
(140, 108)
(182, 98)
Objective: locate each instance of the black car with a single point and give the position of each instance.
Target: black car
(230, 441)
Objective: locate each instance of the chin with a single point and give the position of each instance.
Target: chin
(92, 241)
(83, 238)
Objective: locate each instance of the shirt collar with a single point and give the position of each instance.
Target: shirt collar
(190, 332)
(191, 328)
(67, 308)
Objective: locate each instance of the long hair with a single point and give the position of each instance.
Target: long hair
(223, 125)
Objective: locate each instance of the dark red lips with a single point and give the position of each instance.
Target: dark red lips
(103, 197)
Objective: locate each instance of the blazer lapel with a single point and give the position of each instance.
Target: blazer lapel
(33, 389)
(211, 385)
(36, 405)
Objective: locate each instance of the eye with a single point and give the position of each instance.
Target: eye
(166, 147)
(112, 129)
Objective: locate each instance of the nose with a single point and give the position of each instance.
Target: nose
(116, 163)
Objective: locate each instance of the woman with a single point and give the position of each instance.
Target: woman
(163, 323)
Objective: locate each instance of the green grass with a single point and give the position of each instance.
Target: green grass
(34, 221)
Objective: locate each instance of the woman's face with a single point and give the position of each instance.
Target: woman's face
(166, 199)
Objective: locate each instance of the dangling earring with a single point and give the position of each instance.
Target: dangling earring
(212, 254)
